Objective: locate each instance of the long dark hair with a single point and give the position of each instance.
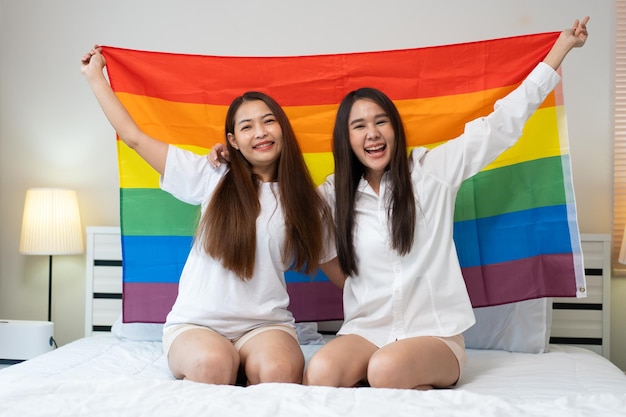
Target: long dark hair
(349, 170)
(228, 227)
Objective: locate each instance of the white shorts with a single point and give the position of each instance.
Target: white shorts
(457, 346)
(172, 332)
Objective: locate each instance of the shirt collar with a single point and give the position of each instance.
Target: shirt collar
(364, 186)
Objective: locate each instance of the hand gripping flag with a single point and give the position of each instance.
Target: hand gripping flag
(515, 222)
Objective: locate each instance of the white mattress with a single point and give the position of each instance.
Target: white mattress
(105, 376)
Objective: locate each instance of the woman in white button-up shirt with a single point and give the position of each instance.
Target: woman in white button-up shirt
(405, 301)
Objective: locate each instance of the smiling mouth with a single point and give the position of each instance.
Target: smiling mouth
(263, 145)
(376, 149)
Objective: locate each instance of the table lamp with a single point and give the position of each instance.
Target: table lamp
(51, 226)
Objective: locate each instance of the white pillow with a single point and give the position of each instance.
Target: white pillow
(151, 332)
(517, 327)
(308, 334)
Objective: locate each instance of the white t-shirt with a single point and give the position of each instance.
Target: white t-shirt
(210, 295)
(423, 293)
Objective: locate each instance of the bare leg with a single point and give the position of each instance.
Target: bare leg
(418, 362)
(272, 356)
(342, 362)
(203, 356)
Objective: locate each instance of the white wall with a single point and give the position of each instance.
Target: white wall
(52, 132)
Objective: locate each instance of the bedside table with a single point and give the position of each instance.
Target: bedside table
(21, 340)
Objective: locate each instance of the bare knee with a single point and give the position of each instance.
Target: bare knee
(272, 356)
(321, 371)
(287, 370)
(389, 369)
(282, 371)
(382, 372)
(209, 367)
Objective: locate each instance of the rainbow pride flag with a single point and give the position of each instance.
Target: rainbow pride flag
(515, 222)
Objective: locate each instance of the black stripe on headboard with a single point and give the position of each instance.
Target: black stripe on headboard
(577, 306)
(104, 262)
(10, 361)
(101, 328)
(107, 295)
(596, 341)
(596, 272)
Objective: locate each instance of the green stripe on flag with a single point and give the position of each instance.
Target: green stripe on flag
(528, 185)
(153, 212)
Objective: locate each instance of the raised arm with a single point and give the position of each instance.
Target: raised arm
(153, 151)
(570, 38)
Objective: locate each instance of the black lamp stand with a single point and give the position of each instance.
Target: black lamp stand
(50, 289)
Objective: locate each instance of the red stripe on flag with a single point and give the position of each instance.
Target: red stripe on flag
(325, 79)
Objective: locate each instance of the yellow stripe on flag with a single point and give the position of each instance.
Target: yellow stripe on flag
(540, 139)
(320, 164)
(136, 173)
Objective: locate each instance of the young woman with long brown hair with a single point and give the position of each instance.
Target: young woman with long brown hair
(231, 310)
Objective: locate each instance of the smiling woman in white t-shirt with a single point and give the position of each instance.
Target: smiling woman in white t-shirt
(231, 313)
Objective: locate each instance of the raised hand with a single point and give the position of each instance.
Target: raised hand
(92, 61)
(570, 38)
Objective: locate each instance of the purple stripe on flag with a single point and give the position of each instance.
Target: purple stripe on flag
(536, 277)
(328, 299)
(157, 300)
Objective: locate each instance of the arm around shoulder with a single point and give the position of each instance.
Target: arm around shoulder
(333, 271)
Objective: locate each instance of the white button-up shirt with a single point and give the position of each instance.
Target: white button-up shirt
(423, 292)
(209, 294)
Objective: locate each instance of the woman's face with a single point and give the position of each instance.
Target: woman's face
(372, 137)
(258, 136)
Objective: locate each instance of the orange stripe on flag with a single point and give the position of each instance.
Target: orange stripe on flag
(430, 120)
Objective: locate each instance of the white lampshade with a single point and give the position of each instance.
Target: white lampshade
(622, 251)
(51, 223)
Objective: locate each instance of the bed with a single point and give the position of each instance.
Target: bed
(534, 358)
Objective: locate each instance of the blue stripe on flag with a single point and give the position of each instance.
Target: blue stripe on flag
(154, 258)
(160, 259)
(507, 237)
(293, 277)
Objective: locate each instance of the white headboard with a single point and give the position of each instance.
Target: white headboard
(586, 321)
(575, 321)
(103, 300)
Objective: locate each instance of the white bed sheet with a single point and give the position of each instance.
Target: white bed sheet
(106, 376)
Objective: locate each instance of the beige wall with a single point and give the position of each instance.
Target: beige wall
(53, 134)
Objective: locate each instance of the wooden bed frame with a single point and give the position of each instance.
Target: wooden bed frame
(582, 322)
